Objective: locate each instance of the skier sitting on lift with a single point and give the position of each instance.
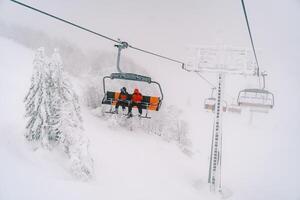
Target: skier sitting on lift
(136, 100)
(122, 100)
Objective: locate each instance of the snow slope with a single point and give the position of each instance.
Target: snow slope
(128, 165)
(259, 158)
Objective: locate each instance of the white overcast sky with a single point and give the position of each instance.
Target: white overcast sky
(169, 26)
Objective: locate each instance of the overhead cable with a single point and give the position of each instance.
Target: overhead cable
(249, 31)
(155, 54)
(96, 33)
(65, 21)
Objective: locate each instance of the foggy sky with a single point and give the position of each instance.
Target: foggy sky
(169, 26)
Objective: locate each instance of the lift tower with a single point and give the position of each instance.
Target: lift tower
(221, 60)
(214, 175)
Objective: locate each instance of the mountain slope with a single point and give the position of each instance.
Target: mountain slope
(128, 165)
(259, 158)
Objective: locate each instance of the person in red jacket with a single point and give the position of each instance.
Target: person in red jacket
(136, 100)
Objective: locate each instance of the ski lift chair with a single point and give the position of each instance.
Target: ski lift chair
(148, 102)
(256, 98)
(210, 104)
(152, 103)
(234, 108)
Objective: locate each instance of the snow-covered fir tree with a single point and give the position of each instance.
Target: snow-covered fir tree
(69, 126)
(65, 109)
(35, 101)
(54, 107)
(53, 112)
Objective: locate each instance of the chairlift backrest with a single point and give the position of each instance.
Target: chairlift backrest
(131, 77)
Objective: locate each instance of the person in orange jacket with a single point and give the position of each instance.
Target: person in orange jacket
(136, 100)
(122, 100)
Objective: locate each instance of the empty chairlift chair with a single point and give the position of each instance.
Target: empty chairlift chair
(234, 108)
(210, 103)
(256, 98)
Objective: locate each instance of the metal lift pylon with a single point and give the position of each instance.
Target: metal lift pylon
(214, 178)
(219, 60)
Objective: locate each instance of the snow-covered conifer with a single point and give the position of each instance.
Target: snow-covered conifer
(54, 106)
(69, 126)
(35, 101)
(66, 98)
(53, 112)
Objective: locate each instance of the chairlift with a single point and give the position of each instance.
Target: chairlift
(152, 103)
(234, 108)
(210, 103)
(256, 98)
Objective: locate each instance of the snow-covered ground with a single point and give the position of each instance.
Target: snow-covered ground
(259, 157)
(260, 151)
(128, 165)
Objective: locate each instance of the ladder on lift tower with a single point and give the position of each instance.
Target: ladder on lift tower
(214, 177)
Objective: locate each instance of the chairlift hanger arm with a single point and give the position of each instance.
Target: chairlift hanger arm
(161, 92)
(105, 77)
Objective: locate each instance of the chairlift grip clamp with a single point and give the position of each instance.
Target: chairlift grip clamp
(122, 45)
